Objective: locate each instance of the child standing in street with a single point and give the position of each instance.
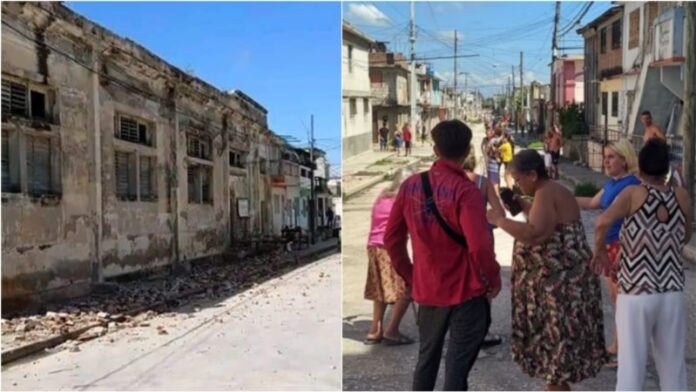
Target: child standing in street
(397, 143)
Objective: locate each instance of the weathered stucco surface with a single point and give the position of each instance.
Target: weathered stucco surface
(76, 236)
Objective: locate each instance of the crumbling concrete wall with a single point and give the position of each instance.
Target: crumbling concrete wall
(47, 240)
(63, 240)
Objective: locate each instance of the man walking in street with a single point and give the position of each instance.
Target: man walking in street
(651, 130)
(454, 272)
(555, 144)
(383, 136)
(407, 139)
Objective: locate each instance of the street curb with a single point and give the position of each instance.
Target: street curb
(377, 179)
(41, 345)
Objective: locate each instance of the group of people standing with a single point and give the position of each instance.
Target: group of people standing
(557, 318)
(401, 138)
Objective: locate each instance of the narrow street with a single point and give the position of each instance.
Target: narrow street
(390, 368)
(282, 334)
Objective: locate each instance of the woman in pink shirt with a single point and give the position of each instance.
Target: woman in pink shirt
(384, 286)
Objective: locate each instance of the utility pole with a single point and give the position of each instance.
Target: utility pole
(689, 131)
(456, 101)
(513, 107)
(414, 78)
(554, 54)
(312, 201)
(522, 87)
(466, 95)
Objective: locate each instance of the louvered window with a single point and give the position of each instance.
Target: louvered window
(200, 184)
(125, 176)
(206, 184)
(39, 157)
(147, 186)
(132, 130)
(14, 98)
(198, 147)
(10, 180)
(192, 176)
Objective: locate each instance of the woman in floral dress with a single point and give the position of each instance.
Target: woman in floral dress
(557, 319)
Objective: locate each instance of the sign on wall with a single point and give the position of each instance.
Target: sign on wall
(243, 208)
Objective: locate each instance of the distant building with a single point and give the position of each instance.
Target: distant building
(568, 80)
(356, 110)
(390, 92)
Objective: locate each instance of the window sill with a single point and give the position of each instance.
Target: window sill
(29, 122)
(198, 161)
(203, 204)
(46, 199)
(237, 171)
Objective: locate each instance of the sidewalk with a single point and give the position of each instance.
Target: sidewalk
(578, 174)
(367, 169)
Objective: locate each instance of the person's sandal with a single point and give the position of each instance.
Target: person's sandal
(399, 341)
(491, 340)
(369, 341)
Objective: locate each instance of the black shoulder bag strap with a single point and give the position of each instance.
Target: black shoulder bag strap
(432, 207)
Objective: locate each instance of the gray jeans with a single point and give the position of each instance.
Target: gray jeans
(467, 324)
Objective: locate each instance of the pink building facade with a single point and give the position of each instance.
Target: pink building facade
(568, 80)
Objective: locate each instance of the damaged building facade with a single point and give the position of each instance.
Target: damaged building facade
(114, 161)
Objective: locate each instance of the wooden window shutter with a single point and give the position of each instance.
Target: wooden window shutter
(124, 173)
(6, 179)
(14, 98)
(39, 165)
(192, 189)
(206, 185)
(146, 178)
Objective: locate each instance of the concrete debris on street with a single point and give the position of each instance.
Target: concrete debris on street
(282, 334)
(127, 304)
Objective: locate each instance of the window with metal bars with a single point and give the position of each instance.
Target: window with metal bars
(125, 176)
(134, 131)
(198, 146)
(147, 178)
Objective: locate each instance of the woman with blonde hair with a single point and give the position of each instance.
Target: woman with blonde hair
(621, 164)
(384, 286)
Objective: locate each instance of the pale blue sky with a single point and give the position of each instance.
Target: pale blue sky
(496, 31)
(286, 56)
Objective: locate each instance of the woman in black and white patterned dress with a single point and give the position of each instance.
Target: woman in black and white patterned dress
(650, 304)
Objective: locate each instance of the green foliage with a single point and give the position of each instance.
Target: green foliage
(586, 189)
(572, 119)
(536, 145)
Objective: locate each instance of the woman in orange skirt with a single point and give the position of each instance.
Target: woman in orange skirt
(384, 286)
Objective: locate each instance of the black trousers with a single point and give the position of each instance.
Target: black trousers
(467, 324)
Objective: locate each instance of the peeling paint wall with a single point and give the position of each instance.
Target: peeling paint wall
(58, 241)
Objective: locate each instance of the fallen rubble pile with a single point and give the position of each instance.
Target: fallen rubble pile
(131, 303)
